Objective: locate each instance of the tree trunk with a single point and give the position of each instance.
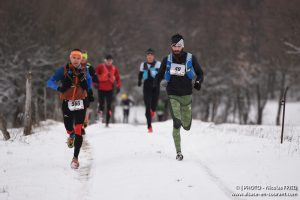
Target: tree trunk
(3, 128)
(45, 103)
(247, 107)
(36, 112)
(259, 110)
(28, 113)
(207, 112)
(262, 97)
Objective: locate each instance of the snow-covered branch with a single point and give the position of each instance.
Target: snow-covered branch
(296, 49)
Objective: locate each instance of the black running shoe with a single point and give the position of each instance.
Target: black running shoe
(179, 156)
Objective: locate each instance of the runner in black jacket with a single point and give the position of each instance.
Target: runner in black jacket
(148, 71)
(179, 69)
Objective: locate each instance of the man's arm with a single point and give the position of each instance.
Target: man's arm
(51, 83)
(93, 74)
(161, 72)
(141, 74)
(197, 69)
(89, 80)
(118, 79)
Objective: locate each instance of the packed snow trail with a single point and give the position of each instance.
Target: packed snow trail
(132, 164)
(125, 162)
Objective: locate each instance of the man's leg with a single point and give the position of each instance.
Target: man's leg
(186, 111)
(101, 100)
(109, 99)
(79, 119)
(147, 101)
(176, 116)
(154, 100)
(69, 123)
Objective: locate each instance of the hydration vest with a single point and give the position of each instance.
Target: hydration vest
(108, 74)
(189, 69)
(153, 71)
(75, 92)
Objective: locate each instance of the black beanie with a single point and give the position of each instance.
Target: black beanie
(150, 51)
(176, 38)
(109, 57)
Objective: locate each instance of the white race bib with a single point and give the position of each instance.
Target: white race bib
(75, 105)
(177, 69)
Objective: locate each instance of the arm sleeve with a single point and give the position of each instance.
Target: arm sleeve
(197, 69)
(161, 71)
(93, 74)
(118, 79)
(89, 80)
(142, 67)
(140, 76)
(51, 83)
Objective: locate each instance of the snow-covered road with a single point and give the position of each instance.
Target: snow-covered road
(125, 162)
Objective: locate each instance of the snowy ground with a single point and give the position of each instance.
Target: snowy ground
(125, 162)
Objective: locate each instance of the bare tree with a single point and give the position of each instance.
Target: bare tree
(28, 111)
(3, 128)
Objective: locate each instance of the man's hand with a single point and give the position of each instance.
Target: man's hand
(61, 89)
(197, 85)
(91, 96)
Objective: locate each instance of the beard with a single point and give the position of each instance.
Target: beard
(176, 52)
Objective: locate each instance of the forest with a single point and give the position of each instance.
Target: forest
(248, 50)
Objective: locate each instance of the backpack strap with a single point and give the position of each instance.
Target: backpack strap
(188, 62)
(66, 71)
(190, 72)
(145, 66)
(154, 63)
(168, 67)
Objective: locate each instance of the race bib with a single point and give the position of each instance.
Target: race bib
(177, 69)
(75, 105)
(126, 107)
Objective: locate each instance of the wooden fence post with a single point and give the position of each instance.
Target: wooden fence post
(28, 112)
(283, 112)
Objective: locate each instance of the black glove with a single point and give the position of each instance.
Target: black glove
(82, 80)
(91, 96)
(66, 82)
(61, 89)
(139, 83)
(197, 85)
(118, 90)
(81, 76)
(83, 84)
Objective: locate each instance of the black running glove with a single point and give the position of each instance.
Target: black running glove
(82, 80)
(61, 89)
(91, 96)
(197, 85)
(66, 84)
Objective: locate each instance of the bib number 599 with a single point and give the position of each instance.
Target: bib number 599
(75, 105)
